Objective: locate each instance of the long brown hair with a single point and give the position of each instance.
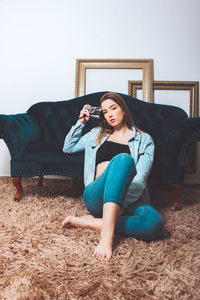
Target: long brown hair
(105, 127)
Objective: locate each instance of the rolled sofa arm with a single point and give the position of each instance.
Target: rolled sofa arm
(190, 126)
(18, 130)
(180, 139)
(191, 133)
(171, 152)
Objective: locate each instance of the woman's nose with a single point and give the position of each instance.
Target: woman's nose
(110, 114)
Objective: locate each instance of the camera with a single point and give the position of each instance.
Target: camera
(94, 112)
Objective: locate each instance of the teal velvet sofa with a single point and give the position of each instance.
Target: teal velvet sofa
(35, 139)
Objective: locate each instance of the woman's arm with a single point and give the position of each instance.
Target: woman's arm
(74, 142)
(143, 168)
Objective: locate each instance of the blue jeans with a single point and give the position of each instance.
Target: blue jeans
(140, 221)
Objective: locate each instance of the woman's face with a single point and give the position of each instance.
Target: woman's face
(113, 113)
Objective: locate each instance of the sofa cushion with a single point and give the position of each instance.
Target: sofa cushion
(46, 158)
(49, 151)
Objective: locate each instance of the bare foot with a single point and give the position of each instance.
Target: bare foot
(87, 221)
(103, 251)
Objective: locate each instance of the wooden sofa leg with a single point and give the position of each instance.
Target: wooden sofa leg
(40, 182)
(177, 191)
(17, 183)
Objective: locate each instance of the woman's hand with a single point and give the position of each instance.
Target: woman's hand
(84, 114)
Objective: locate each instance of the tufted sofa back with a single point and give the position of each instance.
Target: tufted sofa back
(56, 118)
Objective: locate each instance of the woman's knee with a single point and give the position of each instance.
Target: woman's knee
(123, 160)
(153, 225)
(124, 157)
(145, 224)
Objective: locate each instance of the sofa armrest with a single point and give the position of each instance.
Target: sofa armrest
(191, 133)
(179, 140)
(191, 126)
(18, 130)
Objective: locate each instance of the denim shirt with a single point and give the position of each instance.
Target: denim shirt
(141, 148)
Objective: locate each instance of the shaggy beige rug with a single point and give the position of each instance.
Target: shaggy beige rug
(41, 261)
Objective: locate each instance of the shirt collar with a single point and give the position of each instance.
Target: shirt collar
(136, 135)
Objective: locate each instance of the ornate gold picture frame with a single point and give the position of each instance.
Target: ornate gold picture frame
(146, 65)
(193, 88)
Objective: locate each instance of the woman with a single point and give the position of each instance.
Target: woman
(118, 159)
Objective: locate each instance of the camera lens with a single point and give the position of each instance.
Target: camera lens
(91, 110)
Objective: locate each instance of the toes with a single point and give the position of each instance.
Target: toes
(66, 221)
(101, 256)
(63, 223)
(107, 257)
(97, 254)
(102, 252)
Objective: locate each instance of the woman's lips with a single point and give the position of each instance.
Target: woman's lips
(112, 120)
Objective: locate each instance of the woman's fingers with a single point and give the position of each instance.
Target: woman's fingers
(84, 114)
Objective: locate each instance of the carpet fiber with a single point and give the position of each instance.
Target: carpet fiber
(40, 260)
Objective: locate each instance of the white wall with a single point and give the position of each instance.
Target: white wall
(41, 39)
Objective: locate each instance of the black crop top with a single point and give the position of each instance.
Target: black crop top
(109, 149)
